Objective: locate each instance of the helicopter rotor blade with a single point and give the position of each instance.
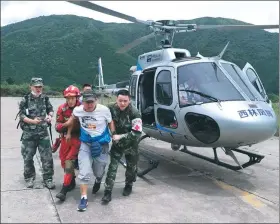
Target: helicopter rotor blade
(232, 27)
(135, 43)
(98, 8)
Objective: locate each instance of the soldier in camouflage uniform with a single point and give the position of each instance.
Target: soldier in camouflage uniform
(35, 113)
(128, 125)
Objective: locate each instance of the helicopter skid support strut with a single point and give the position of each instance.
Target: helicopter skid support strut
(153, 163)
(253, 158)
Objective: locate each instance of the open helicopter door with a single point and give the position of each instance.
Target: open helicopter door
(165, 103)
(133, 90)
(255, 80)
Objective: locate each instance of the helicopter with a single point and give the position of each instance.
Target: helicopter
(196, 101)
(104, 90)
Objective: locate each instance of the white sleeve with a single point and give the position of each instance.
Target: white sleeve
(108, 115)
(76, 111)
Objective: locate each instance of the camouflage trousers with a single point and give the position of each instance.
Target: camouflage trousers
(131, 156)
(28, 150)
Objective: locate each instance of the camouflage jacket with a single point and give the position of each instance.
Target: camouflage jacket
(125, 124)
(63, 114)
(35, 107)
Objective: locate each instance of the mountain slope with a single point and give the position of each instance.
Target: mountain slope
(65, 49)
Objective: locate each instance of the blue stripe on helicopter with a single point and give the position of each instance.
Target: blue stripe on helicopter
(138, 68)
(164, 129)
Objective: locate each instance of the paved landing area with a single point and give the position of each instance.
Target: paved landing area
(182, 189)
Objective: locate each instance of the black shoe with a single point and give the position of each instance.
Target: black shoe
(107, 196)
(127, 190)
(72, 184)
(62, 194)
(96, 187)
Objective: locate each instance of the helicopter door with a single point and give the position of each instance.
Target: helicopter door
(255, 80)
(133, 90)
(164, 103)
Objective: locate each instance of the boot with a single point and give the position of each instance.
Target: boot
(107, 196)
(127, 190)
(96, 187)
(49, 184)
(72, 184)
(29, 183)
(62, 194)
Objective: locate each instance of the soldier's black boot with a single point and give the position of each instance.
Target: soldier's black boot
(62, 194)
(96, 187)
(72, 184)
(107, 196)
(127, 190)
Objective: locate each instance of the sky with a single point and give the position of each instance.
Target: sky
(254, 12)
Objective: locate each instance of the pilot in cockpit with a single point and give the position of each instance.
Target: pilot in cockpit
(188, 97)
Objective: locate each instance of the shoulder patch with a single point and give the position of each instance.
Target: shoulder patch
(137, 124)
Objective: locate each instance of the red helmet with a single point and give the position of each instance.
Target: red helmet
(71, 91)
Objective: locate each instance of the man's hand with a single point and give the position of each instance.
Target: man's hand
(117, 137)
(36, 120)
(48, 119)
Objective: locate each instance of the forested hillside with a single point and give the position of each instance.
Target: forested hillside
(65, 49)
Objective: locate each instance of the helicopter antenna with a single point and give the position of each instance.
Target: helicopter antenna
(221, 54)
(223, 51)
(163, 28)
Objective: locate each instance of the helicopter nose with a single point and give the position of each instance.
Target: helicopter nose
(249, 126)
(231, 125)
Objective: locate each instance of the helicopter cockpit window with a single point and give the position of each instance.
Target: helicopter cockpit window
(206, 78)
(164, 88)
(233, 72)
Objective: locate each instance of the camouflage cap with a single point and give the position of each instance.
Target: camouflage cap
(89, 95)
(36, 82)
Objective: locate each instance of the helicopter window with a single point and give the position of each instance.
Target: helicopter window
(254, 80)
(167, 118)
(164, 88)
(207, 78)
(233, 72)
(251, 75)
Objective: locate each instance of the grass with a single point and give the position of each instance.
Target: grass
(276, 110)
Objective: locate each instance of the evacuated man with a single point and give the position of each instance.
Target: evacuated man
(86, 86)
(68, 152)
(128, 124)
(35, 113)
(95, 137)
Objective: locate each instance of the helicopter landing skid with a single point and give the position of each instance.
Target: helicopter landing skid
(153, 163)
(253, 158)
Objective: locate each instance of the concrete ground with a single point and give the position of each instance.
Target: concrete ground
(182, 189)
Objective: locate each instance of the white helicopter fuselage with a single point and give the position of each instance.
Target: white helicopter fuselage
(238, 113)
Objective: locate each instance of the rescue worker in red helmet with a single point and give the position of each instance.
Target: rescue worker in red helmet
(68, 152)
